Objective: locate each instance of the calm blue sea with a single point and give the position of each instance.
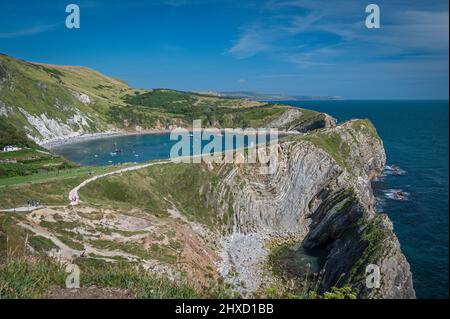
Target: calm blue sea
(415, 135)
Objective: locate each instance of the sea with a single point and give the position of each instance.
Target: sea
(416, 139)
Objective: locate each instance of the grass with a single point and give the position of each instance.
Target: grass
(167, 100)
(158, 252)
(64, 232)
(333, 144)
(166, 106)
(366, 127)
(48, 192)
(69, 242)
(23, 276)
(30, 162)
(34, 277)
(331, 140)
(12, 237)
(157, 188)
(20, 155)
(50, 188)
(373, 236)
(12, 135)
(39, 88)
(29, 278)
(127, 276)
(144, 284)
(41, 244)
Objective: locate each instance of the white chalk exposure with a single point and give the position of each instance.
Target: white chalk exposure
(5, 110)
(83, 98)
(53, 129)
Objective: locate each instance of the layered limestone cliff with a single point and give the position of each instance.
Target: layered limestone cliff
(320, 194)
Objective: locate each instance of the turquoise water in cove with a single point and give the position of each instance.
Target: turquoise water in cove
(141, 148)
(415, 136)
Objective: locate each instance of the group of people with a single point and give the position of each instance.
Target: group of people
(33, 203)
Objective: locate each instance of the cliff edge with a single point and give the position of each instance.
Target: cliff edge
(321, 196)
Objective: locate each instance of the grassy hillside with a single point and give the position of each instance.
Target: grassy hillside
(158, 188)
(50, 101)
(10, 135)
(166, 107)
(42, 102)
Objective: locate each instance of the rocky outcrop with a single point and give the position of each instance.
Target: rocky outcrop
(320, 194)
(295, 119)
(83, 98)
(50, 129)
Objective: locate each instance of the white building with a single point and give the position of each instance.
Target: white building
(11, 148)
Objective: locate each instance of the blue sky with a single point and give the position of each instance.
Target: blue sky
(295, 47)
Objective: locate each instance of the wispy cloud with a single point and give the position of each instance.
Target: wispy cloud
(253, 41)
(316, 33)
(28, 31)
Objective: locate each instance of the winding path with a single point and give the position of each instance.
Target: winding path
(73, 194)
(21, 209)
(74, 198)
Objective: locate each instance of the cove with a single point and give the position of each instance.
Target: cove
(131, 148)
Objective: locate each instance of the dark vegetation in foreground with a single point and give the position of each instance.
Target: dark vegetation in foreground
(27, 272)
(34, 277)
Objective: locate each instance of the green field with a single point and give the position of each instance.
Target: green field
(29, 161)
(49, 187)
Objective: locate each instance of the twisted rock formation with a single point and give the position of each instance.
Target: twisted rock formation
(321, 195)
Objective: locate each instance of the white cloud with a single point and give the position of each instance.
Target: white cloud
(28, 31)
(253, 41)
(341, 35)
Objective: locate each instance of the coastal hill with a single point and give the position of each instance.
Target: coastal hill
(255, 96)
(49, 102)
(172, 230)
